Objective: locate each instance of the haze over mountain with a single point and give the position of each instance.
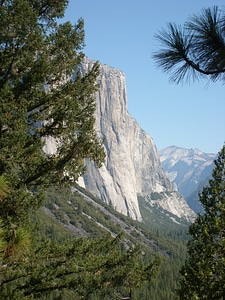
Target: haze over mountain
(188, 169)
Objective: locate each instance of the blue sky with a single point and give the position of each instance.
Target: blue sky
(120, 33)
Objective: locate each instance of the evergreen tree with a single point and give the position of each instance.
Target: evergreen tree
(83, 266)
(195, 50)
(203, 275)
(41, 102)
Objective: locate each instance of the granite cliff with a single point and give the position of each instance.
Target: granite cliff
(132, 166)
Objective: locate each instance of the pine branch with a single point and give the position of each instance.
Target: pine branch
(120, 297)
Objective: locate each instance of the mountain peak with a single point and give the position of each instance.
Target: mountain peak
(186, 167)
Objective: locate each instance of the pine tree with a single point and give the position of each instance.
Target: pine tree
(41, 101)
(198, 50)
(83, 266)
(194, 50)
(45, 97)
(203, 275)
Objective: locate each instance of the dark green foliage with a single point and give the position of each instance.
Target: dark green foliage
(84, 266)
(170, 236)
(162, 235)
(198, 49)
(203, 274)
(41, 102)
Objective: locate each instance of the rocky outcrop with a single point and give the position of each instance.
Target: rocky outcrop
(172, 202)
(132, 166)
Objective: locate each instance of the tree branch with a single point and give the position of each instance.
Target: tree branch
(120, 297)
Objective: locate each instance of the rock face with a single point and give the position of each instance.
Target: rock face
(132, 166)
(172, 202)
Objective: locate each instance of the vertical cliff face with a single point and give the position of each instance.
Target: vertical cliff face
(132, 166)
(115, 181)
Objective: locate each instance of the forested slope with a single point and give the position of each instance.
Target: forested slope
(80, 214)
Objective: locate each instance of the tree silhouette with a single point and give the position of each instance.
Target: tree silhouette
(194, 50)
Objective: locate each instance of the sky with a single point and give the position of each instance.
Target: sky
(121, 34)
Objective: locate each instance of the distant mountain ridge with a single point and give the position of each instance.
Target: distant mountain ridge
(188, 169)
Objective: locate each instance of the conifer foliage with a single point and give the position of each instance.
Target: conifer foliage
(83, 266)
(203, 274)
(41, 102)
(194, 50)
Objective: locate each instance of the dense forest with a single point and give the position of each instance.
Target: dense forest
(64, 216)
(57, 241)
(42, 254)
